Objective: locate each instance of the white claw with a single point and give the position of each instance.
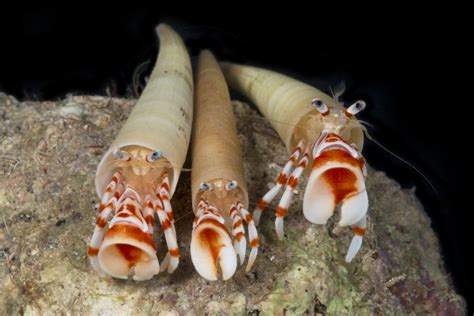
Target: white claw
(279, 227)
(211, 245)
(146, 270)
(354, 208)
(228, 262)
(354, 248)
(318, 201)
(122, 255)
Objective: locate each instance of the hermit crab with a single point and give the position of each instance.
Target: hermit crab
(219, 191)
(323, 137)
(137, 176)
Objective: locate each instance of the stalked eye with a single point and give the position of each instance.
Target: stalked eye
(204, 186)
(355, 108)
(154, 156)
(120, 154)
(231, 185)
(320, 106)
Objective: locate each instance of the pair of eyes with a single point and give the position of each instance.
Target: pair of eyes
(229, 186)
(151, 157)
(350, 111)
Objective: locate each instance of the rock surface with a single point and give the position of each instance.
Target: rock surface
(49, 152)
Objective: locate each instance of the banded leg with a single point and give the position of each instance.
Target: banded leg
(165, 215)
(149, 213)
(253, 235)
(238, 232)
(359, 231)
(106, 207)
(282, 178)
(285, 201)
(164, 196)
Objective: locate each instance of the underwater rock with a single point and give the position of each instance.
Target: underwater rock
(49, 152)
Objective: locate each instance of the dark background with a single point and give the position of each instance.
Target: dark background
(406, 63)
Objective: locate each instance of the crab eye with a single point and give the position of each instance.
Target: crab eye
(231, 185)
(355, 108)
(154, 156)
(204, 186)
(320, 106)
(120, 154)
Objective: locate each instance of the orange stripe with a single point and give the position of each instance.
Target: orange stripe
(170, 216)
(150, 219)
(281, 179)
(101, 222)
(281, 211)
(303, 162)
(165, 186)
(92, 252)
(215, 223)
(239, 236)
(248, 218)
(174, 252)
(335, 155)
(130, 207)
(131, 232)
(254, 243)
(101, 207)
(359, 231)
(292, 182)
(237, 224)
(166, 224)
(262, 204)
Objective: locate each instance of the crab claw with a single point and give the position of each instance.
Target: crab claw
(336, 177)
(353, 208)
(211, 244)
(128, 250)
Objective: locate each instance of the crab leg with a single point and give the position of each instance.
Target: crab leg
(164, 196)
(238, 233)
(171, 261)
(282, 179)
(106, 207)
(253, 235)
(285, 201)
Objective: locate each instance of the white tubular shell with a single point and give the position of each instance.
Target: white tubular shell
(281, 99)
(162, 117)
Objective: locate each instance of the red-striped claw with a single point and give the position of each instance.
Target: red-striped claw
(211, 244)
(123, 246)
(216, 246)
(337, 177)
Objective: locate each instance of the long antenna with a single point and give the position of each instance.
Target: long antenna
(402, 160)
